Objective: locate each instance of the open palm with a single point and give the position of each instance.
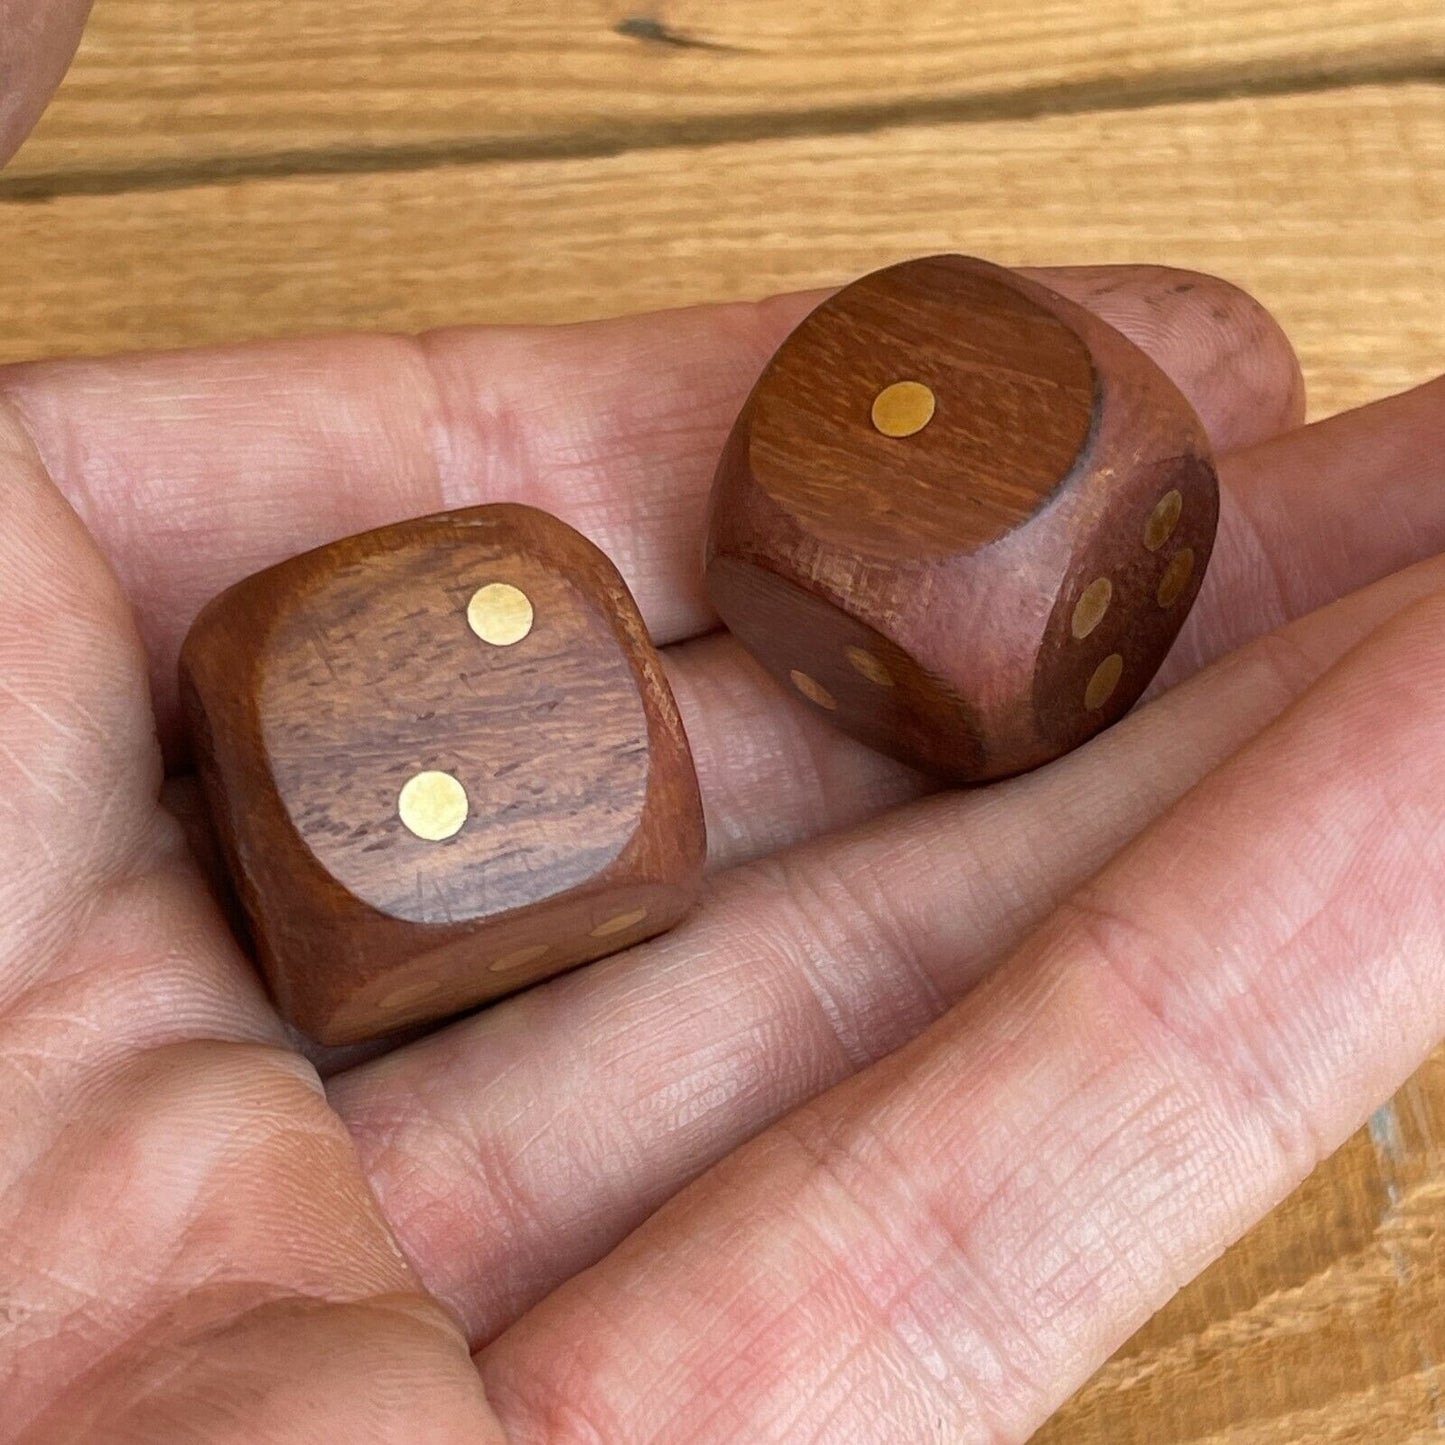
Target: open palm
(794, 1171)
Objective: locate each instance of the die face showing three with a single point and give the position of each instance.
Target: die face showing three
(443, 763)
(962, 517)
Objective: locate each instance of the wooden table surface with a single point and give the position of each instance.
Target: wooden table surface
(217, 169)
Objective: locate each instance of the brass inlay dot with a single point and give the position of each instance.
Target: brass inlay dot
(1163, 520)
(520, 959)
(620, 924)
(866, 665)
(1176, 577)
(500, 614)
(433, 806)
(1093, 603)
(814, 691)
(412, 993)
(903, 409)
(1104, 681)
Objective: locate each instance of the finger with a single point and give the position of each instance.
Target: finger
(954, 1240)
(1304, 519)
(563, 1118)
(87, 866)
(1309, 518)
(174, 1195)
(196, 469)
(78, 766)
(39, 39)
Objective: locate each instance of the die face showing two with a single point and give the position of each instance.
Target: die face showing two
(443, 763)
(962, 517)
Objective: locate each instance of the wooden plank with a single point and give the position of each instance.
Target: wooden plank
(179, 87)
(1327, 205)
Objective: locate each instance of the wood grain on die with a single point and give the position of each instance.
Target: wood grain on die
(443, 763)
(1012, 392)
(386, 684)
(925, 585)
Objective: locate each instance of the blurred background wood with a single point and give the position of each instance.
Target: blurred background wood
(217, 169)
(190, 87)
(1251, 187)
(230, 168)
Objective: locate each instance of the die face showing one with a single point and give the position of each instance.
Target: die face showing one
(443, 763)
(940, 518)
(1013, 406)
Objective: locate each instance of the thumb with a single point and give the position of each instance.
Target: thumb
(37, 40)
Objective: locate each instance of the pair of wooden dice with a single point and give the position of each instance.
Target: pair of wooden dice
(959, 516)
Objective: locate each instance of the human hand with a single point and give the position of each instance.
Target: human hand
(791, 1171)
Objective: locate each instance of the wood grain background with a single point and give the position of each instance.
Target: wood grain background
(217, 169)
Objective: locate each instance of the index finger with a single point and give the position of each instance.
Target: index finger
(196, 469)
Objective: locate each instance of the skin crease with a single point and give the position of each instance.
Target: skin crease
(925, 1111)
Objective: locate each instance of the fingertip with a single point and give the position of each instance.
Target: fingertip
(39, 40)
(1223, 348)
